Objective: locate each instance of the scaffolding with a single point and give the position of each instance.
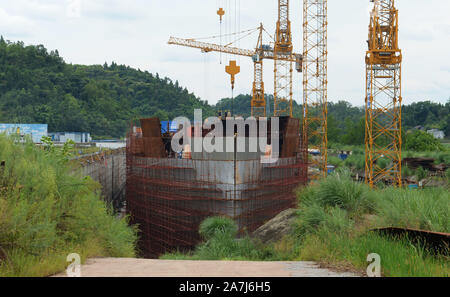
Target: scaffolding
(168, 198)
(315, 84)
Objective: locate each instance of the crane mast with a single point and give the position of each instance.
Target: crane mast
(315, 85)
(283, 69)
(383, 96)
(258, 103)
(261, 52)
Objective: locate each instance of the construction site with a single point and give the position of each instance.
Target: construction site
(170, 194)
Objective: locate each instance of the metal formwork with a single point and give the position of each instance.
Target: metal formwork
(169, 198)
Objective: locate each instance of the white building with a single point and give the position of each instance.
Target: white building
(77, 137)
(437, 133)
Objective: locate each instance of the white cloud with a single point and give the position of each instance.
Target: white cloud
(14, 25)
(135, 32)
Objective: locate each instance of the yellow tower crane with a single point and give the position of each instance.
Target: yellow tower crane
(383, 96)
(315, 85)
(261, 52)
(283, 67)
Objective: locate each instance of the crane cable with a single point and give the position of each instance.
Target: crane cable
(225, 35)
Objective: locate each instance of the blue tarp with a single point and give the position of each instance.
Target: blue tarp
(173, 127)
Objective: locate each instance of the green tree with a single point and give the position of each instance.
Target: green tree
(422, 142)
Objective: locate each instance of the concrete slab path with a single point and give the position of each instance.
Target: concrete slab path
(120, 267)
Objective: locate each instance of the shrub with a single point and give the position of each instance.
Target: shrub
(47, 212)
(356, 161)
(421, 173)
(213, 226)
(423, 142)
(340, 190)
(335, 161)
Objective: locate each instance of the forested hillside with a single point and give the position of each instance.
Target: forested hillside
(346, 122)
(37, 86)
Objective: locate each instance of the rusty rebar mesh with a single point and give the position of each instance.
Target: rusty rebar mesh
(169, 198)
(109, 170)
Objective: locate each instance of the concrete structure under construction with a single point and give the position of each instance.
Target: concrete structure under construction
(169, 197)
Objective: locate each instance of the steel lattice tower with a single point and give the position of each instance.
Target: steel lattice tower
(383, 97)
(315, 83)
(258, 103)
(283, 69)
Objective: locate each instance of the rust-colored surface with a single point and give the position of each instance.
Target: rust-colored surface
(151, 127)
(437, 242)
(291, 138)
(152, 142)
(168, 198)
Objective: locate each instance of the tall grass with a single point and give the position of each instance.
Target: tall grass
(333, 227)
(427, 209)
(339, 190)
(337, 213)
(221, 243)
(398, 257)
(47, 212)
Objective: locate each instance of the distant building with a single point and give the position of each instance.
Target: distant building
(110, 144)
(35, 131)
(437, 133)
(77, 137)
(421, 128)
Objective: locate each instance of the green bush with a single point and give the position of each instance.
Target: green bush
(340, 190)
(356, 161)
(423, 142)
(383, 163)
(221, 244)
(421, 173)
(216, 226)
(335, 161)
(47, 212)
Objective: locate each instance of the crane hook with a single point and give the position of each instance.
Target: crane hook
(232, 70)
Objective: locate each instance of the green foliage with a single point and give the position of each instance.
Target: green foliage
(335, 217)
(221, 244)
(64, 153)
(427, 209)
(335, 161)
(421, 173)
(356, 161)
(39, 87)
(47, 212)
(422, 142)
(339, 190)
(330, 231)
(214, 225)
(398, 257)
(428, 115)
(383, 163)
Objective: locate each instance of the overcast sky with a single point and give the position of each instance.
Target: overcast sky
(135, 33)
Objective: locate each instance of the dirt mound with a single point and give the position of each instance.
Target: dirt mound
(276, 228)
